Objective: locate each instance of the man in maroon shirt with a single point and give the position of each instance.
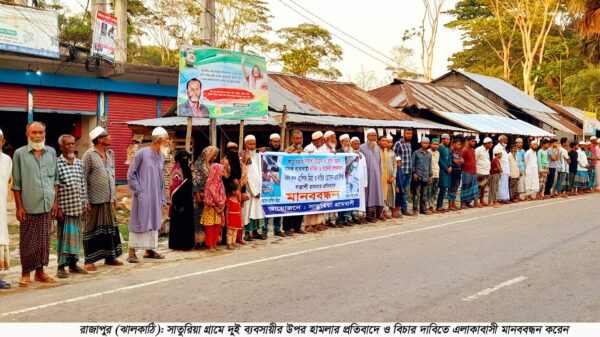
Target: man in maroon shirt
(469, 189)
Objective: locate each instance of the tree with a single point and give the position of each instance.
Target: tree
(308, 50)
(534, 19)
(403, 63)
(365, 79)
(588, 24)
(170, 24)
(583, 89)
(242, 24)
(428, 34)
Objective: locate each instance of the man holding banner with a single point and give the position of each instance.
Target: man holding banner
(294, 222)
(315, 222)
(253, 211)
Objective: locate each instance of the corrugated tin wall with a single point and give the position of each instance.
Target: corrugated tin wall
(69, 100)
(123, 108)
(13, 96)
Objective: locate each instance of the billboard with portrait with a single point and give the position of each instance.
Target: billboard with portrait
(220, 83)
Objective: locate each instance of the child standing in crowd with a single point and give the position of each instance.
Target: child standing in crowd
(214, 203)
(233, 215)
(495, 171)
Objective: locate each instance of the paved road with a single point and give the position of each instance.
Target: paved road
(526, 262)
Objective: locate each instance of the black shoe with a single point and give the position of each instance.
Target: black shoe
(263, 236)
(289, 233)
(280, 233)
(248, 237)
(301, 231)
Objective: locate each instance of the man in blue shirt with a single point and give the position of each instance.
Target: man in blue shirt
(521, 164)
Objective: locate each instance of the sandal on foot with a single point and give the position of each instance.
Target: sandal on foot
(77, 270)
(154, 255)
(44, 278)
(113, 263)
(133, 259)
(90, 267)
(25, 281)
(61, 273)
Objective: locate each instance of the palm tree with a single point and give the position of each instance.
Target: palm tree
(588, 12)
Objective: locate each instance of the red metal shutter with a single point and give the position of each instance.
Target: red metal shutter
(13, 96)
(166, 104)
(124, 108)
(64, 100)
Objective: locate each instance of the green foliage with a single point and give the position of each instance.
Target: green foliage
(583, 89)
(308, 50)
(242, 24)
(562, 76)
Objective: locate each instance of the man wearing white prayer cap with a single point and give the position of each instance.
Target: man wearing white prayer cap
(532, 179)
(422, 177)
(315, 222)
(330, 141)
(483, 166)
(145, 180)
(344, 218)
(101, 238)
(388, 176)
(374, 195)
(253, 213)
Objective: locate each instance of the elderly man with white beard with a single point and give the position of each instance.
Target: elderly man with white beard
(372, 154)
(35, 185)
(146, 182)
(253, 213)
(330, 147)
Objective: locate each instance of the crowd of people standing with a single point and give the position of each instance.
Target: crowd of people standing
(216, 199)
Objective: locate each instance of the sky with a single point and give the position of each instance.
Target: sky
(377, 23)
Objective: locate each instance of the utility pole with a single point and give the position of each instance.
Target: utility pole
(121, 40)
(208, 39)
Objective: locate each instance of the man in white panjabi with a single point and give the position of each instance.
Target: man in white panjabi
(314, 222)
(5, 172)
(254, 216)
(330, 147)
(532, 179)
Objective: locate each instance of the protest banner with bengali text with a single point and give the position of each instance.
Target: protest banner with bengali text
(223, 84)
(299, 184)
(105, 30)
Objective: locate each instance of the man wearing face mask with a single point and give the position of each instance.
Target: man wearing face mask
(193, 106)
(35, 185)
(145, 179)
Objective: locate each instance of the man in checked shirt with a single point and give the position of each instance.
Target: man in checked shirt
(403, 149)
(72, 203)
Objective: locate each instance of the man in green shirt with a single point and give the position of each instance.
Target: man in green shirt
(543, 162)
(35, 185)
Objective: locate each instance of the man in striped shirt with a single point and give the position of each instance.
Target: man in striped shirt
(403, 149)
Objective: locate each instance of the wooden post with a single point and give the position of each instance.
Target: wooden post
(212, 131)
(283, 122)
(188, 136)
(241, 138)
